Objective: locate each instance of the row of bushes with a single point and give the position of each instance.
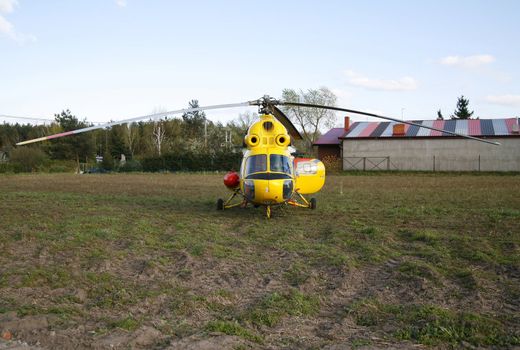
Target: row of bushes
(31, 160)
(46, 167)
(193, 162)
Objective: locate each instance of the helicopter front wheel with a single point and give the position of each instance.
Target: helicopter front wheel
(220, 204)
(268, 211)
(312, 203)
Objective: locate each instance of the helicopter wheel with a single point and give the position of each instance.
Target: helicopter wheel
(313, 203)
(268, 211)
(220, 204)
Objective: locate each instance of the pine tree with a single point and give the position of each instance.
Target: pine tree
(194, 121)
(462, 111)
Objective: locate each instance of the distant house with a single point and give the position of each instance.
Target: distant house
(397, 146)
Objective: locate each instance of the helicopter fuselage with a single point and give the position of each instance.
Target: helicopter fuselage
(269, 174)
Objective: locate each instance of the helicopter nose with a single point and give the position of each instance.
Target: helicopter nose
(269, 191)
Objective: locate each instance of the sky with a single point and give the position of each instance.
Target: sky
(116, 59)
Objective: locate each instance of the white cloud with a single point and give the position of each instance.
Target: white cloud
(401, 84)
(7, 6)
(7, 28)
(467, 61)
(121, 3)
(504, 100)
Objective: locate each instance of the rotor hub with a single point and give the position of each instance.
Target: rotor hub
(265, 104)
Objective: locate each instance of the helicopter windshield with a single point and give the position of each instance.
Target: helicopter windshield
(280, 163)
(256, 164)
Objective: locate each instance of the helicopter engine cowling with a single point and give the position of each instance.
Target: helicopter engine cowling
(232, 180)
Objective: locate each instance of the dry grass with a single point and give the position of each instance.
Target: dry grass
(145, 260)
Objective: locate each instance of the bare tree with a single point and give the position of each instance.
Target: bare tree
(131, 137)
(244, 120)
(310, 120)
(159, 131)
(239, 126)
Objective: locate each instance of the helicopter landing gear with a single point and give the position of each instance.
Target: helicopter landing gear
(268, 211)
(302, 202)
(221, 204)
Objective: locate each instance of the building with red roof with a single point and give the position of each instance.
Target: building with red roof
(397, 146)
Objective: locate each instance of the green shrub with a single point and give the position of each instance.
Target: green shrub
(6, 168)
(27, 159)
(131, 165)
(108, 161)
(193, 162)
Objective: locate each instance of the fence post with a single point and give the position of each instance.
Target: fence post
(434, 163)
(364, 163)
(479, 163)
(388, 163)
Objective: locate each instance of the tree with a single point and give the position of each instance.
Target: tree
(244, 121)
(439, 115)
(240, 125)
(117, 142)
(108, 161)
(310, 120)
(158, 135)
(75, 147)
(131, 133)
(194, 121)
(462, 111)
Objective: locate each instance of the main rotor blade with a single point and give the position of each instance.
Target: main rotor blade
(25, 118)
(131, 120)
(387, 118)
(282, 118)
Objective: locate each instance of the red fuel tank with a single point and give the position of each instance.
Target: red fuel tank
(232, 180)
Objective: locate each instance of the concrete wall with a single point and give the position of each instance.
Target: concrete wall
(439, 154)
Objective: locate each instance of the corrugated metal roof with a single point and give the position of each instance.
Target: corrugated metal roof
(380, 128)
(486, 127)
(439, 124)
(413, 130)
(461, 127)
(424, 131)
(357, 129)
(473, 127)
(331, 137)
(500, 127)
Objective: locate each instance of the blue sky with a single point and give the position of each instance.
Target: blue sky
(115, 59)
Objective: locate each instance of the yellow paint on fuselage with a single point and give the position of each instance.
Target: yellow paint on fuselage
(269, 139)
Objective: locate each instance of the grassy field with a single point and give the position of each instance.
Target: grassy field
(146, 261)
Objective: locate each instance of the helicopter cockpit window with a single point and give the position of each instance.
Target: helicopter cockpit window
(255, 164)
(280, 164)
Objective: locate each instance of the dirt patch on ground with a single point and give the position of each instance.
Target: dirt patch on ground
(140, 261)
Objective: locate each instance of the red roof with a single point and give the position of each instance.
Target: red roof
(474, 127)
(331, 137)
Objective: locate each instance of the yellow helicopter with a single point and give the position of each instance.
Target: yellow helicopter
(269, 174)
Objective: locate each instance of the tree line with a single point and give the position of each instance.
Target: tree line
(137, 143)
(191, 142)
